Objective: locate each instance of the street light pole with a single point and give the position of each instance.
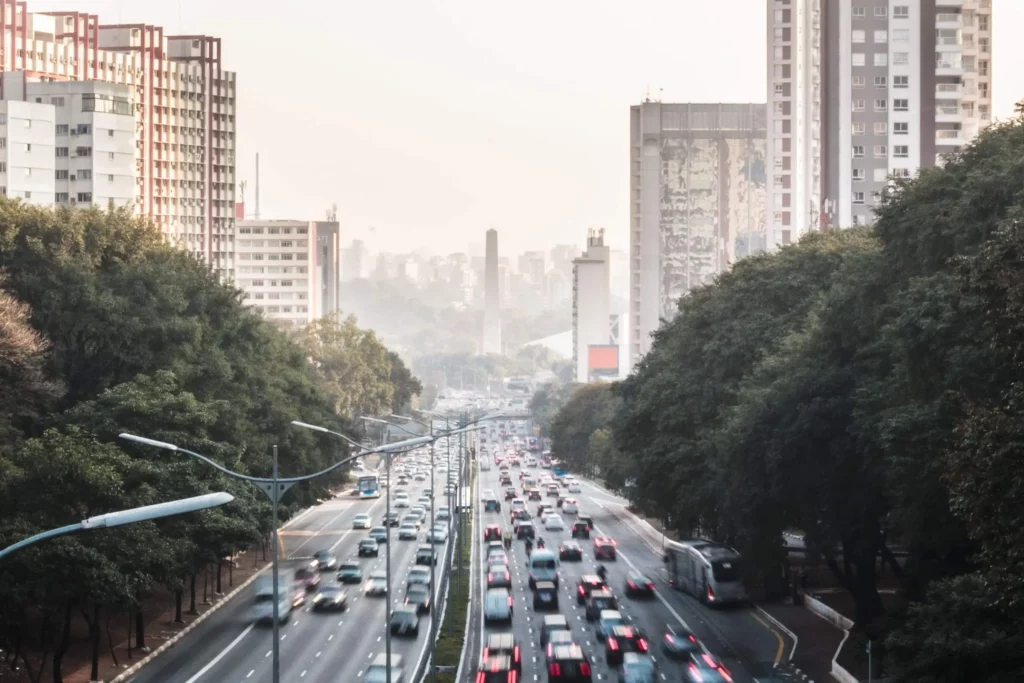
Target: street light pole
(387, 567)
(275, 497)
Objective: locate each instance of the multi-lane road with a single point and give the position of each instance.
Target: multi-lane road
(335, 646)
(748, 644)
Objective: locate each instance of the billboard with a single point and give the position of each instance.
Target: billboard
(603, 360)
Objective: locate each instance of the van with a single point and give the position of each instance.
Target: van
(543, 566)
(485, 465)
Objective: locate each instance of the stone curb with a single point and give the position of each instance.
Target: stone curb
(134, 669)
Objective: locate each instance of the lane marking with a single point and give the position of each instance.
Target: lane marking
(782, 627)
(222, 653)
(778, 636)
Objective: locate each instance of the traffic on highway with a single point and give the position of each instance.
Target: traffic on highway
(569, 592)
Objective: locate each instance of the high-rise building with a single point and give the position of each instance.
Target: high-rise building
(594, 355)
(354, 262)
(492, 296)
(532, 265)
(862, 91)
(289, 269)
(697, 192)
(183, 117)
(26, 151)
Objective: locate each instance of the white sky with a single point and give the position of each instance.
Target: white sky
(431, 121)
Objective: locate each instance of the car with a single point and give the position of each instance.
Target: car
(443, 515)
(503, 645)
(637, 668)
(570, 506)
(350, 572)
(492, 505)
(492, 532)
(545, 596)
(308, 576)
(569, 664)
(420, 477)
(417, 576)
(377, 672)
(597, 602)
(534, 494)
(608, 620)
(639, 586)
(379, 534)
(407, 533)
(556, 638)
(496, 669)
(518, 504)
(377, 584)
(680, 645)
(361, 521)
(580, 530)
(498, 576)
(624, 639)
(418, 596)
(497, 606)
(419, 510)
(510, 494)
(552, 623)
(587, 584)
(438, 534)
(326, 561)
(505, 480)
(519, 516)
(263, 608)
(391, 519)
(525, 530)
(604, 548)
(706, 668)
(552, 490)
(425, 554)
(570, 550)
(586, 519)
(554, 523)
(543, 509)
(401, 499)
(368, 547)
(413, 519)
(331, 598)
(405, 621)
(497, 556)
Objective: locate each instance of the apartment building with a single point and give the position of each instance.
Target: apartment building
(593, 353)
(697, 203)
(863, 90)
(289, 270)
(26, 152)
(184, 114)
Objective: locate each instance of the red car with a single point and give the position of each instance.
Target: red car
(492, 533)
(604, 548)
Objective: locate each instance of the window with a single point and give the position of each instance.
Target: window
(982, 22)
(878, 175)
(881, 151)
(110, 156)
(858, 175)
(901, 105)
(901, 81)
(881, 82)
(901, 12)
(901, 35)
(858, 59)
(85, 196)
(858, 197)
(983, 67)
(901, 151)
(83, 151)
(28, 195)
(110, 132)
(60, 197)
(858, 105)
(881, 58)
(3, 167)
(881, 128)
(881, 105)
(28, 123)
(57, 101)
(858, 129)
(61, 151)
(110, 178)
(858, 12)
(901, 172)
(858, 36)
(901, 128)
(881, 37)
(858, 81)
(84, 174)
(257, 283)
(983, 90)
(881, 12)
(60, 174)
(61, 129)
(900, 58)
(3, 142)
(83, 129)
(858, 151)
(778, 88)
(28, 146)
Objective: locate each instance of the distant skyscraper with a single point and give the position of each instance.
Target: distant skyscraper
(593, 353)
(492, 296)
(354, 262)
(697, 184)
(532, 265)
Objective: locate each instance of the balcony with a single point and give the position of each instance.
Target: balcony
(949, 67)
(948, 115)
(949, 20)
(950, 138)
(943, 4)
(949, 91)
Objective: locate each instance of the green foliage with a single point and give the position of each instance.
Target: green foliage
(547, 401)
(590, 407)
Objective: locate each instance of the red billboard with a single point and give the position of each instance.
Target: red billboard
(603, 359)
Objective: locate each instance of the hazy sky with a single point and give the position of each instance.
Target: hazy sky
(431, 121)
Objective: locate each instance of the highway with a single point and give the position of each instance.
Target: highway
(328, 646)
(747, 643)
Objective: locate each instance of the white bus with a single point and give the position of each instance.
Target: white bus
(368, 486)
(711, 572)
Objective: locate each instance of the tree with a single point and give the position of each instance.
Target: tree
(547, 401)
(404, 385)
(25, 390)
(589, 408)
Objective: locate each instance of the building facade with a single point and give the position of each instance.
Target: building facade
(697, 203)
(289, 270)
(492, 296)
(184, 115)
(26, 152)
(861, 91)
(591, 310)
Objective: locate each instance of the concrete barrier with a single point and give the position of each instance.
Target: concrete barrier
(827, 613)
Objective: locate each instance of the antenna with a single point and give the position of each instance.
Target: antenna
(256, 215)
(241, 192)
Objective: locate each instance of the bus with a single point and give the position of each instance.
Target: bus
(709, 571)
(368, 486)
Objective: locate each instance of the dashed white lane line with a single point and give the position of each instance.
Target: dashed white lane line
(251, 673)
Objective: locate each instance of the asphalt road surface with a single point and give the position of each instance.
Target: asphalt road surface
(747, 643)
(330, 646)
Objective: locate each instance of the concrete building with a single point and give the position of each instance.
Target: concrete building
(532, 266)
(289, 270)
(355, 261)
(593, 351)
(862, 91)
(492, 296)
(26, 152)
(697, 193)
(557, 290)
(184, 108)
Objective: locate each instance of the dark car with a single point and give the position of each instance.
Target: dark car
(498, 576)
(639, 586)
(326, 561)
(308, 576)
(330, 599)
(368, 547)
(545, 597)
(503, 645)
(587, 584)
(405, 621)
(425, 554)
(492, 532)
(569, 664)
(496, 669)
(604, 548)
(521, 515)
(505, 480)
(350, 572)
(586, 519)
(706, 668)
(597, 601)
(580, 529)
(680, 645)
(392, 519)
(510, 493)
(526, 530)
(570, 550)
(379, 534)
(534, 494)
(637, 668)
(418, 596)
(624, 639)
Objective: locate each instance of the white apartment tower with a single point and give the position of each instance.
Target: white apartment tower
(26, 152)
(183, 105)
(859, 91)
(592, 350)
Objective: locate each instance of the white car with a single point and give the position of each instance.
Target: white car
(575, 487)
(401, 500)
(570, 507)
(439, 534)
(407, 532)
(554, 523)
(361, 521)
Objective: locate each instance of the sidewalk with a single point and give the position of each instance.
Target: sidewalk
(817, 639)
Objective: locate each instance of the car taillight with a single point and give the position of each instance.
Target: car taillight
(555, 670)
(480, 677)
(487, 654)
(515, 654)
(709, 660)
(632, 585)
(650, 584)
(725, 674)
(510, 601)
(507, 576)
(695, 673)
(711, 593)
(613, 644)
(693, 638)
(582, 592)
(550, 650)
(494, 665)
(490, 576)
(642, 644)
(584, 668)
